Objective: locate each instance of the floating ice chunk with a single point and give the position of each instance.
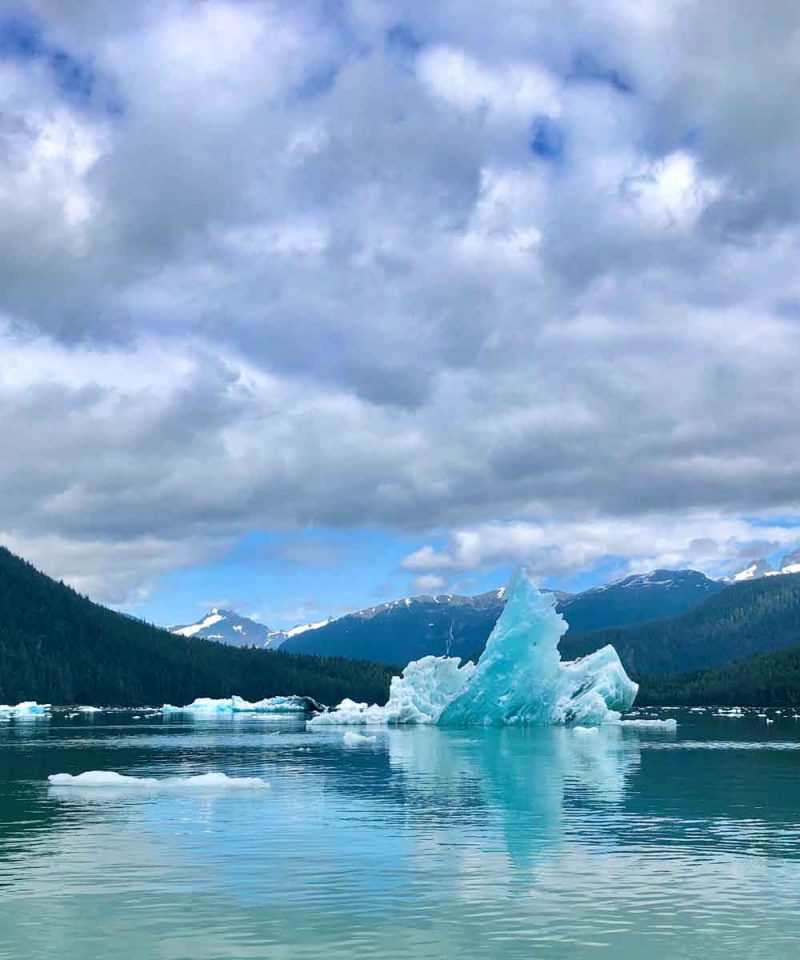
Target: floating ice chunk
(520, 677)
(597, 689)
(293, 704)
(418, 695)
(90, 709)
(351, 739)
(28, 708)
(583, 731)
(208, 705)
(666, 725)
(109, 778)
(731, 712)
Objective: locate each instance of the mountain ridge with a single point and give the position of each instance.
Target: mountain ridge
(450, 624)
(227, 626)
(744, 619)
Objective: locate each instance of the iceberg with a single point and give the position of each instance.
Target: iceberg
(519, 679)
(207, 705)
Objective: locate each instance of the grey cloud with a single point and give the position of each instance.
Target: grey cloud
(372, 303)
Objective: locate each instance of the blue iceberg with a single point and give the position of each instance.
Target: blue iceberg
(519, 679)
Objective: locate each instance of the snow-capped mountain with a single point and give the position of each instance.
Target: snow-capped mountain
(763, 568)
(227, 626)
(791, 562)
(754, 570)
(406, 629)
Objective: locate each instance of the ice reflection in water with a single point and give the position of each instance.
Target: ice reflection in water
(428, 843)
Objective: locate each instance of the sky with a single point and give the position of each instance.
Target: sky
(308, 305)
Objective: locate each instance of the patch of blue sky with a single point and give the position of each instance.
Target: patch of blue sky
(283, 579)
(402, 41)
(22, 37)
(319, 82)
(547, 139)
(587, 68)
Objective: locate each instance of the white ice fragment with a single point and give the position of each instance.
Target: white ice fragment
(351, 739)
(234, 704)
(28, 708)
(109, 778)
(667, 725)
(583, 731)
(89, 710)
(418, 695)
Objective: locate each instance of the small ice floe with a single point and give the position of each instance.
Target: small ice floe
(208, 705)
(770, 721)
(351, 739)
(730, 712)
(109, 778)
(585, 731)
(28, 708)
(666, 725)
(89, 709)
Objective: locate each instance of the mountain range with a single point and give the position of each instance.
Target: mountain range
(407, 629)
(744, 619)
(227, 626)
(763, 568)
(741, 640)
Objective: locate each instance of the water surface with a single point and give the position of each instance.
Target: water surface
(425, 843)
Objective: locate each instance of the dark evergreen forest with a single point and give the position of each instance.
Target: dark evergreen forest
(57, 646)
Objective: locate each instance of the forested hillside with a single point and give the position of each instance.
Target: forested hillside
(747, 618)
(765, 680)
(57, 646)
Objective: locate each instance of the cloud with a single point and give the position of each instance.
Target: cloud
(288, 266)
(707, 541)
(428, 583)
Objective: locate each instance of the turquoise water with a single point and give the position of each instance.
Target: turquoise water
(423, 843)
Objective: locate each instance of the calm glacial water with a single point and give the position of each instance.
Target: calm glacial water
(425, 843)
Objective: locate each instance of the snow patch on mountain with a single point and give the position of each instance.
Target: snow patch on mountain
(763, 568)
(227, 626)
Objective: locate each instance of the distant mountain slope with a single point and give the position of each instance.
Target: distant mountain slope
(634, 599)
(406, 629)
(764, 680)
(57, 646)
(228, 626)
(763, 568)
(750, 617)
